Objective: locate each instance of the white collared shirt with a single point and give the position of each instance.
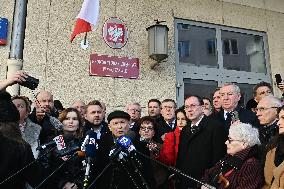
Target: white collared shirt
(225, 114)
(197, 123)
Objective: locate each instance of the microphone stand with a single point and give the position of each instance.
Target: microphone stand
(144, 183)
(73, 155)
(175, 170)
(122, 163)
(22, 169)
(87, 173)
(95, 180)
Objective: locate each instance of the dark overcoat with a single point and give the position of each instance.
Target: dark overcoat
(200, 151)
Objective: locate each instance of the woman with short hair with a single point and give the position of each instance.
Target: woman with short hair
(240, 168)
(29, 130)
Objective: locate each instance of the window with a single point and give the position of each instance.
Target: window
(211, 47)
(202, 45)
(240, 51)
(183, 49)
(230, 47)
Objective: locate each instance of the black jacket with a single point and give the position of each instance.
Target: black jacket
(120, 173)
(48, 131)
(72, 170)
(15, 156)
(162, 129)
(88, 126)
(199, 151)
(245, 116)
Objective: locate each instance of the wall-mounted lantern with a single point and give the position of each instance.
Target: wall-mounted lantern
(158, 41)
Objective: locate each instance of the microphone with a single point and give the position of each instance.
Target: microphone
(59, 141)
(123, 142)
(90, 147)
(70, 151)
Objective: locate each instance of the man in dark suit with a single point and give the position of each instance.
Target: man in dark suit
(202, 143)
(230, 97)
(167, 120)
(125, 171)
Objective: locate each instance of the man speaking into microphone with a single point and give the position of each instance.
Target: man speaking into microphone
(121, 172)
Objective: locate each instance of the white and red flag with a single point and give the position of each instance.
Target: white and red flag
(89, 15)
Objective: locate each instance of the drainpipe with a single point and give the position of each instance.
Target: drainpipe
(15, 61)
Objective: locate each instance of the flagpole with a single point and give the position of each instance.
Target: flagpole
(85, 38)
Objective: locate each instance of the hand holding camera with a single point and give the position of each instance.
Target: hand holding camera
(22, 78)
(17, 77)
(279, 82)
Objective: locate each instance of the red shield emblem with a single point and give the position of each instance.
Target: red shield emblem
(115, 33)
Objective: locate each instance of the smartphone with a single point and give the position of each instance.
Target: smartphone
(235, 116)
(278, 79)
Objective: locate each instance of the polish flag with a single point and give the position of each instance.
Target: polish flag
(88, 16)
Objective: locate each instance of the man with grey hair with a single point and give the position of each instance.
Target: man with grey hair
(134, 110)
(230, 97)
(266, 112)
(80, 106)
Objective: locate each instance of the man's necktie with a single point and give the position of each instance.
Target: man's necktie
(228, 116)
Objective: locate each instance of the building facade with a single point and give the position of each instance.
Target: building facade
(210, 42)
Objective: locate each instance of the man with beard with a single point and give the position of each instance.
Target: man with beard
(94, 119)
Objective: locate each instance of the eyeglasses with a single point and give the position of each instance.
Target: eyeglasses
(230, 140)
(147, 128)
(261, 109)
(191, 106)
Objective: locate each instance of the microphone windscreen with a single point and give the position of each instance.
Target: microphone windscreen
(124, 142)
(81, 153)
(91, 145)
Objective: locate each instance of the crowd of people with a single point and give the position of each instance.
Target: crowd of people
(202, 144)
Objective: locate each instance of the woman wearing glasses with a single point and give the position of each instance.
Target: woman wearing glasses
(274, 164)
(239, 169)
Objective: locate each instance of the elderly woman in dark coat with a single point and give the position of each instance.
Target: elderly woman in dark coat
(239, 169)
